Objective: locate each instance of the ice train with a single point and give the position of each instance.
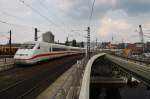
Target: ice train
(34, 51)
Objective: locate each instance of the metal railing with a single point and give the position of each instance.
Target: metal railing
(138, 59)
(6, 62)
(6, 59)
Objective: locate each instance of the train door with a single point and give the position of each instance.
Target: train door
(38, 52)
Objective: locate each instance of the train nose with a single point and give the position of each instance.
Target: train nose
(21, 56)
(22, 59)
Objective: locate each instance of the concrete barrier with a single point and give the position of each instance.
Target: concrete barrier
(67, 85)
(84, 93)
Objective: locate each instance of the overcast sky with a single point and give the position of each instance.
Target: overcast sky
(111, 18)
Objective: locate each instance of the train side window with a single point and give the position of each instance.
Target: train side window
(50, 49)
(59, 49)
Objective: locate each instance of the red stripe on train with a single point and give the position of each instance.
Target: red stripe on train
(42, 55)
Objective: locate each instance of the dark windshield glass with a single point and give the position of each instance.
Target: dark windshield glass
(27, 46)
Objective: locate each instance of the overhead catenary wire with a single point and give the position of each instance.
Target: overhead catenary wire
(89, 4)
(91, 13)
(79, 34)
(3, 32)
(16, 17)
(40, 1)
(10, 15)
(40, 14)
(5, 22)
(16, 25)
(46, 8)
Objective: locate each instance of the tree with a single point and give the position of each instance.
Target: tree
(67, 42)
(74, 43)
(82, 44)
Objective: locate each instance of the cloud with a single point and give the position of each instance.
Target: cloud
(134, 7)
(109, 26)
(109, 16)
(111, 3)
(80, 8)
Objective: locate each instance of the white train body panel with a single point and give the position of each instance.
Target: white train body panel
(33, 52)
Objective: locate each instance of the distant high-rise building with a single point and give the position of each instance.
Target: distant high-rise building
(48, 37)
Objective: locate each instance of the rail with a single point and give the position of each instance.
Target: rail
(6, 63)
(142, 72)
(138, 59)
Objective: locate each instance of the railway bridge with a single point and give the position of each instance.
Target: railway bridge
(103, 76)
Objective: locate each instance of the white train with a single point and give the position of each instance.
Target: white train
(34, 51)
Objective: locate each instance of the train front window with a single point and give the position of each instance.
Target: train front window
(27, 46)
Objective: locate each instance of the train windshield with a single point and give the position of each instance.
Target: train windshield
(27, 46)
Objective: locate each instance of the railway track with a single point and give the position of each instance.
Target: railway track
(134, 60)
(29, 82)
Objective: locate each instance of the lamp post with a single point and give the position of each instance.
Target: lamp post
(10, 41)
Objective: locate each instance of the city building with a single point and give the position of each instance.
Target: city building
(48, 37)
(105, 45)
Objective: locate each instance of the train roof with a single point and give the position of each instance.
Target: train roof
(53, 44)
(40, 42)
(35, 42)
